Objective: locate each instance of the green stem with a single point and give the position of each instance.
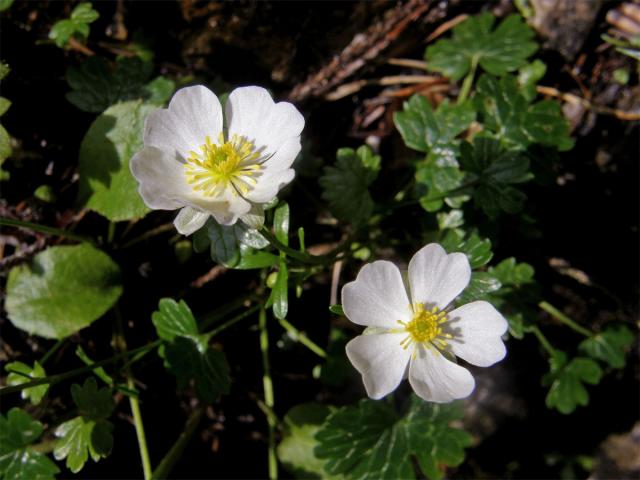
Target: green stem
(53, 379)
(148, 234)
(561, 317)
(468, 81)
(233, 321)
(268, 393)
(111, 232)
(295, 254)
(543, 340)
(9, 222)
(212, 317)
(52, 351)
(173, 455)
(302, 338)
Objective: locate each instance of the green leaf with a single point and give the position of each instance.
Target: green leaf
(17, 432)
(476, 248)
(498, 51)
(371, 441)
(252, 259)
(281, 223)
(280, 293)
(63, 290)
(610, 345)
(233, 246)
(345, 186)
(508, 272)
(479, 288)
(566, 379)
(27, 373)
(451, 219)
(99, 371)
(45, 193)
(97, 84)
(106, 183)
(507, 115)
(90, 432)
(191, 360)
(5, 5)
(187, 353)
(528, 77)
(336, 309)
(296, 450)
(173, 319)
(77, 25)
(440, 175)
(422, 128)
(5, 103)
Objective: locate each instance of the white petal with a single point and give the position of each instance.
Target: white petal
(193, 114)
(269, 184)
(436, 379)
(161, 179)
(226, 209)
(436, 278)
(380, 360)
(189, 220)
(284, 157)
(377, 297)
(476, 328)
(252, 113)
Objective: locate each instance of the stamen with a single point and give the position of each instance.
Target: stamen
(425, 328)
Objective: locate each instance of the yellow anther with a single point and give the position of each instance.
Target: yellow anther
(225, 164)
(425, 328)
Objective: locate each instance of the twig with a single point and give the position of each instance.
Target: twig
(575, 100)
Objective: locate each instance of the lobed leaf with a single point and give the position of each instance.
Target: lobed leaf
(610, 345)
(566, 379)
(27, 373)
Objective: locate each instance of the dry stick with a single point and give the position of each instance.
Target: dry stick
(575, 100)
(353, 87)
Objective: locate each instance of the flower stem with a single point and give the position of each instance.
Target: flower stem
(543, 340)
(10, 222)
(268, 393)
(175, 452)
(302, 338)
(561, 317)
(52, 351)
(233, 321)
(293, 253)
(468, 81)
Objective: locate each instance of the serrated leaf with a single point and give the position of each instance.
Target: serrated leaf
(173, 319)
(187, 353)
(345, 186)
(610, 345)
(106, 183)
(296, 450)
(422, 128)
(63, 290)
(97, 84)
(77, 25)
(440, 175)
(567, 378)
(479, 288)
(508, 116)
(371, 441)
(90, 432)
(17, 432)
(476, 248)
(498, 51)
(511, 273)
(27, 373)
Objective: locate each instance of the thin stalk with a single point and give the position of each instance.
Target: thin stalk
(268, 393)
(233, 321)
(53, 379)
(175, 452)
(293, 253)
(302, 338)
(121, 344)
(212, 317)
(543, 340)
(148, 234)
(111, 232)
(10, 222)
(562, 318)
(52, 351)
(468, 81)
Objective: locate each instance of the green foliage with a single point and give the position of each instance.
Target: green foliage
(76, 26)
(295, 451)
(5, 141)
(423, 129)
(63, 290)
(528, 77)
(473, 43)
(97, 84)
(5, 5)
(280, 292)
(345, 186)
(508, 116)
(494, 170)
(25, 374)
(187, 353)
(567, 378)
(106, 183)
(371, 440)
(479, 288)
(476, 248)
(17, 460)
(609, 345)
(45, 193)
(235, 246)
(90, 432)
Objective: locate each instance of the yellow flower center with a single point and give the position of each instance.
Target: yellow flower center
(425, 327)
(217, 167)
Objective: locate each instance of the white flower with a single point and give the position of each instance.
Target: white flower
(414, 334)
(191, 162)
